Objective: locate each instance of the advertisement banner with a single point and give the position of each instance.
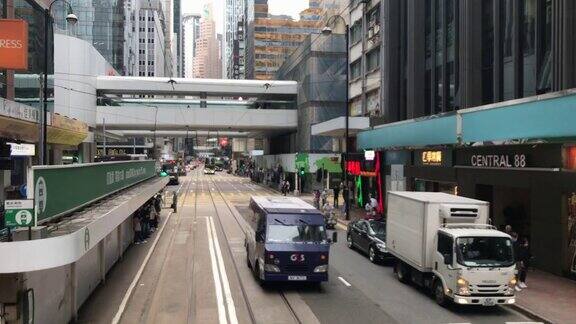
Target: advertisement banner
(13, 44)
(59, 190)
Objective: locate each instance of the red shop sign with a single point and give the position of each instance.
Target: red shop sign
(353, 167)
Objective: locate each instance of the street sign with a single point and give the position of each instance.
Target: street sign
(19, 213)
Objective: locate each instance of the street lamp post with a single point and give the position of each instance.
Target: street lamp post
(71, 19)
(327, 31)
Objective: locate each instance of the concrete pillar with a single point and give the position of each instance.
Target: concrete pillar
(102, 257)
(87, 152)
(73, 292)
(4, 182)
(120, 235)
(266, 145)
(56, 153)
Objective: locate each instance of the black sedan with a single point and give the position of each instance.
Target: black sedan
(368, 236)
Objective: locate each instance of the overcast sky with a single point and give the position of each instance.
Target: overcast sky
(276, 7)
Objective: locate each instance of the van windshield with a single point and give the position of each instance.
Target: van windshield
(485, 251)
(290, 233)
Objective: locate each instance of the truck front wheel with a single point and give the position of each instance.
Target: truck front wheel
(402, 273)
(439, 294)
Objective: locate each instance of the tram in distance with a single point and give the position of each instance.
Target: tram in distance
(288, 240)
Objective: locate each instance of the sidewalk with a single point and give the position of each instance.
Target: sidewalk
(548, 298)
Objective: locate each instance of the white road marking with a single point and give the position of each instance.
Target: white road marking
(217, 285)
(346, 283)
(124, 302)
(225, 282)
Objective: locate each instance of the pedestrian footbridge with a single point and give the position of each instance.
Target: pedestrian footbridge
(132, 103)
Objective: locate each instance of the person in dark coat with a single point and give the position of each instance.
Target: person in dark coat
(523, 260)
(336, 193)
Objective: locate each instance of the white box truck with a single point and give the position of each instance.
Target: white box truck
(443, 242)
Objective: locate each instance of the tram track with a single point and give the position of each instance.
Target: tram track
(282, 295)
(118, 317)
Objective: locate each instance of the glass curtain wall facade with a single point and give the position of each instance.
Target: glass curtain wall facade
(519, 50)
(101, 23)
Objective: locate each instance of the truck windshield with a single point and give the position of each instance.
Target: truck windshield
(301, 233)
(484, 251)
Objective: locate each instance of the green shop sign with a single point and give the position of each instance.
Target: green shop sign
(59, 190)
(19, 213)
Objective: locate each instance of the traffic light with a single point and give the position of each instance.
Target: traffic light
(302, 171)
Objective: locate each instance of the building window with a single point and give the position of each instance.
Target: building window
(544, 50)
(373, 22)
(142, 29)
(373, 60)
(428, 56)
(528, 46)
(506, 25)
(356, 33)
(488, 52)
(439, 90)
(451, 42)
(355, 69)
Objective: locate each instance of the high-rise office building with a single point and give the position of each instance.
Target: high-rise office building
(190, 34)
(178, 39)
(443, 57)
(207, 63)
(146, 51)
(237, 63)
(271, 38)
(234, 13)
(102, 23)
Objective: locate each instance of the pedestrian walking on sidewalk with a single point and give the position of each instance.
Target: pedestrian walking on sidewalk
(336, 193)
(523, 260)
(137, 227)
(324, 197)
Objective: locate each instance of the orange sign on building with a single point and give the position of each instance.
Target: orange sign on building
(13, 44)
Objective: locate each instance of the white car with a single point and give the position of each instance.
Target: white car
(209, 171)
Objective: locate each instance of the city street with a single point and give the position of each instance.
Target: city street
(197, 273)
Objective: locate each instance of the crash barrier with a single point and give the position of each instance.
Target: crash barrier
(62, 189)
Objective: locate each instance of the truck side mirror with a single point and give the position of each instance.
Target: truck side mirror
(334, 237)
(448, 259)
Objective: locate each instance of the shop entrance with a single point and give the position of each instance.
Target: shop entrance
(435, 186)
(508, 206)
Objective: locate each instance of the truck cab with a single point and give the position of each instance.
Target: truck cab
(475, 265)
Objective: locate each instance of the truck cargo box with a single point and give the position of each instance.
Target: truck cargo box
(413, 219)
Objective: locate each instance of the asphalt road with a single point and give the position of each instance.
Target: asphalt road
(198, 274)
